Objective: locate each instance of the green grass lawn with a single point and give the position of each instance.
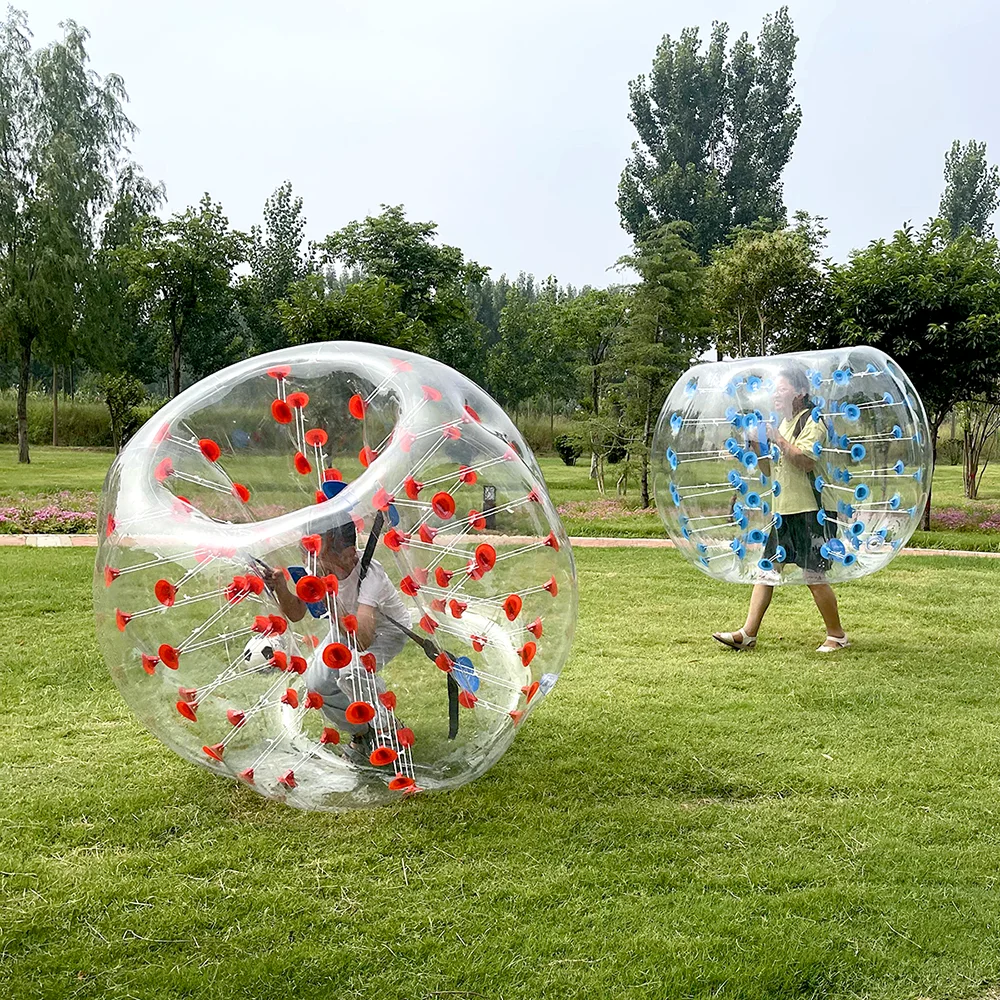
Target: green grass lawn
(583, 512)
(53, 469)
(675, 821)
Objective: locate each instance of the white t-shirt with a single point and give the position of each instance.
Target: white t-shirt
(377, 592)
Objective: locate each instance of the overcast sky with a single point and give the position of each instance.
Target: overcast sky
(506, 123)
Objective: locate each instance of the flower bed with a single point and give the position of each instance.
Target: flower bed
(63, 513)
(976, 517)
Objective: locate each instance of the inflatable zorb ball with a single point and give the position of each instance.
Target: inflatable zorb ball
(236, 488)
(742, 511)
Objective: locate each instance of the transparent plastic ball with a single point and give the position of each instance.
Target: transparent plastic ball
(796, 468)
(334, 574)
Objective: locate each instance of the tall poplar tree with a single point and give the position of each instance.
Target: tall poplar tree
(715, 131)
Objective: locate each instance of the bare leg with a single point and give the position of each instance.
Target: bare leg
(826, 601)
(760, 601)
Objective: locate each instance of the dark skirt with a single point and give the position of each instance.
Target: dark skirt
(802, 538)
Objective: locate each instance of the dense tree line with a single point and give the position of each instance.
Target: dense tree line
(94, 277)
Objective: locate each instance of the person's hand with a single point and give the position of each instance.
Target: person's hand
(273, 578)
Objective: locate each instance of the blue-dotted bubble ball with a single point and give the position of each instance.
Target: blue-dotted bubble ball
(797, 468)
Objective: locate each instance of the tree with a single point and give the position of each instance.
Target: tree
(120, 338)
(970, 189)
(933, 304)
(715, 133)
(667, 327)
(766, 289)
(432, 280)
(276, 261)
(588, 325)
(980, 426)
(62, 129)
(486, 299)
(513, 372)
(123, 393)
(182, 269)
(368, 310)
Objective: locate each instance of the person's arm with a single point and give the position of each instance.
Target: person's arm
(291, 607)
(800, 459)
(365, 635)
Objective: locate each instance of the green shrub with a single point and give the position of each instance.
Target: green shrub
(540, 431)
(81, 425)
(569, 447)
(950, 451)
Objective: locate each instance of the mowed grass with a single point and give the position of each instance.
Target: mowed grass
(675, 821)
(52, 470)
(587, 513)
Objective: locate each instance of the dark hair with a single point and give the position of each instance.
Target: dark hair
(796, 377)
(341, 536)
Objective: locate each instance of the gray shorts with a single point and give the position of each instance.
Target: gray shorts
(352, 683)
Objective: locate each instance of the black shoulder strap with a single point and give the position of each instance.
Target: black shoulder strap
(800, 423)
(366, 559)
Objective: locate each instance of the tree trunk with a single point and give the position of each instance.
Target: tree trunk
(595, 387)
(970, 455)
(644, 486)
(935, 427)
(22, 403)
(175, 355)
(55, 406)
(552, 414)
(175, 364)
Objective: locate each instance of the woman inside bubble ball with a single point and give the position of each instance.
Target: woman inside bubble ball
(800, 533)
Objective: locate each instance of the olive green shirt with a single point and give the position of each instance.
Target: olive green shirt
(797, 493)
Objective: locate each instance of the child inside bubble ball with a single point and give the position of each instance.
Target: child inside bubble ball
(800, 534)
(367, 593)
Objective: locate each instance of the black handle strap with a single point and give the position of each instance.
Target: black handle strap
(432, 652)
(452, 707)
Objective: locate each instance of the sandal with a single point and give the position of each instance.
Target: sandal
(834, 642)
(744, 642)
